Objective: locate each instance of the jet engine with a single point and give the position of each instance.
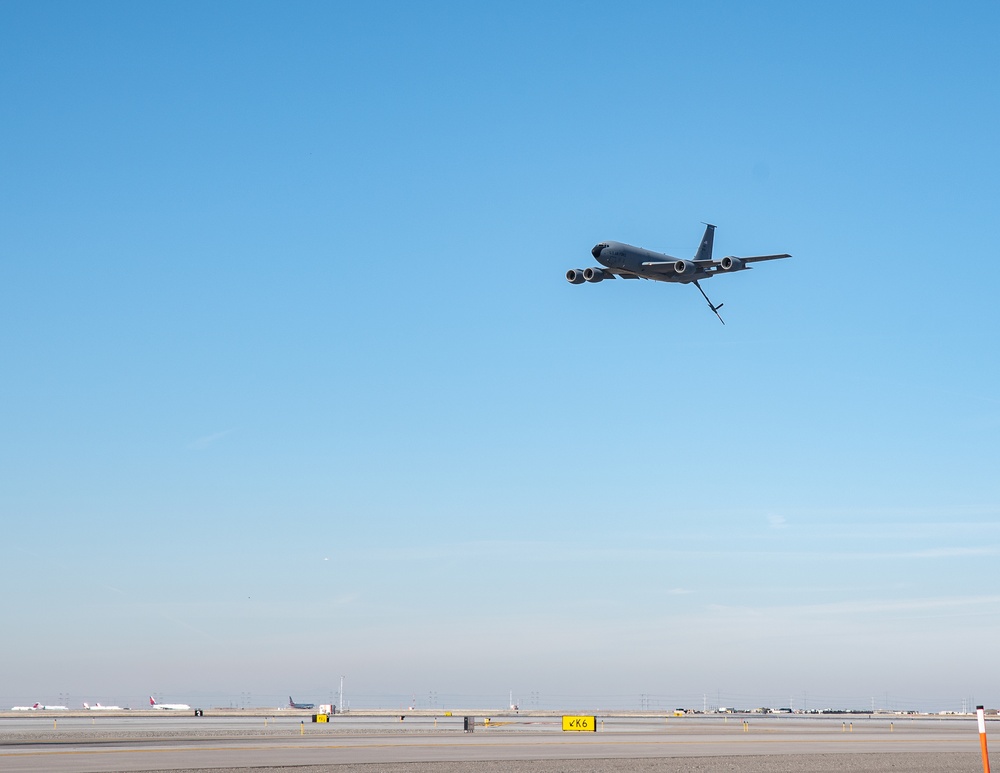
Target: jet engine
(684, 267)
(729, 263)
(575, 276)
(595, 275)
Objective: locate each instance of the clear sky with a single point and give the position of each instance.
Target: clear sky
(294, 388)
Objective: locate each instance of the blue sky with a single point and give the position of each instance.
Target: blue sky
(294, 387)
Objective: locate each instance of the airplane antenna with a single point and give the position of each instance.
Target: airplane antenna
(714, 308)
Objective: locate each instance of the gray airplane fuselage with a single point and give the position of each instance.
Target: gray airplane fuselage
(625, 257)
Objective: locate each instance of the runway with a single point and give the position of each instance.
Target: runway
(420, 744)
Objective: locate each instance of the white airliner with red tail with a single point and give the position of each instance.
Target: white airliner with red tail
(168, 706)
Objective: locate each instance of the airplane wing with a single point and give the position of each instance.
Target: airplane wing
(707, 265)
(661, 265)
(755, 258)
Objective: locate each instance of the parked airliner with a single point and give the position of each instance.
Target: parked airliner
(168, 706)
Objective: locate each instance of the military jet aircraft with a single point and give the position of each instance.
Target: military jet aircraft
(628, 262)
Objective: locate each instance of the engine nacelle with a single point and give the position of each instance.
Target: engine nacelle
(729, 263)
(575, 276)
(685, 267)
(595, 275)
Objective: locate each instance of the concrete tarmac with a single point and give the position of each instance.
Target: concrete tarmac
(533, 744)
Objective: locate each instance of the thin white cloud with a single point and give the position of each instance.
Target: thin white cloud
(875, 606)
(205, 442)
(956, 552)
(550, 552)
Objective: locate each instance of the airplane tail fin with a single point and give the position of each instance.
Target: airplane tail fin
(151, 701)
(705, 248)
(86, 705)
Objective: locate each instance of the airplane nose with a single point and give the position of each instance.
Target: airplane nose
(596, 252)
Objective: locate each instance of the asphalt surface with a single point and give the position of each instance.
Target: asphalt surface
(531, 744)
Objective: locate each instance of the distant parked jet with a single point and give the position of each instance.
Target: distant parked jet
(293, 705)
(99, 707)
(628, 262)
(168, 706)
